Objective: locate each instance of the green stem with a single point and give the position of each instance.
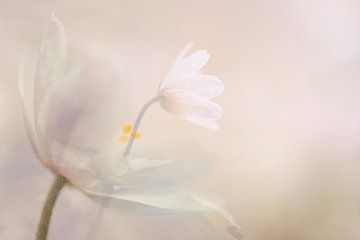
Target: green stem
(137, 124)
(48, 207)
(100, 212)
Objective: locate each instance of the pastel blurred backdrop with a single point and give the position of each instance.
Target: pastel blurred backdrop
(288, 148)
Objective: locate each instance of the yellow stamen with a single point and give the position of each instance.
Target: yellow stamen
(136, 135)
(127, 128)
(123, 138)
(127, 133)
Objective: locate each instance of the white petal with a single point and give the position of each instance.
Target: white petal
(189, 66)
(36, 73)
(204, 122)
(167, 202)
(197, 60)
(143, 163)
(212, 221)
(143, 176)
(183, 53)
(77, 164)
(205, 85)
(27, 69)
(53, 52)
(223, 222)
(58, 114)
(55, 113)
(51, 63)
(168, 80)
(189, 104)
(26, 78)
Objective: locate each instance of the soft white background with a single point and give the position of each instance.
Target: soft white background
(288, 148)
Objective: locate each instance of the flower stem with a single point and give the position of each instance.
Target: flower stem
(137, 124)
(100, 212)
(48, 207)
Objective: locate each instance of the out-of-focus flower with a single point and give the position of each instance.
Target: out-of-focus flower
(101, 173)
(188, 92)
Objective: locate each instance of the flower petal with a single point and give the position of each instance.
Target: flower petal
(53, 53)
(53, 109)
(213, 222)
(143, 176)
(51, 65)
(186, 103)
(196, 61)
(206, 86)
(168, 80)
(204, 122)
(189, 66)
(79, 165)
(184, 67)
(26, 78)
(221, 220)
(183, 53)
(58, 115)
(27, 72)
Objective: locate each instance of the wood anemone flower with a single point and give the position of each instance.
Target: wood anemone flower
(109, 173)
(188, 92)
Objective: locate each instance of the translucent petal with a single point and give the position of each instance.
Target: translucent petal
(186, 103)
(212, 221)
(165, 202)
(58, 115)
(206, 86)
(53, 54)
(51, 64)
(79, 165)
(26, 78)
(37, 75)
(189, 66)
(197, 60)
(204, 122)
(55, 114)
(183, 53)
(143, 176)
(184, 67)
(167, 81)
(222, 221)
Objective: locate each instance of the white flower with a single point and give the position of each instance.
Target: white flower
(188, 92)
(99, 173)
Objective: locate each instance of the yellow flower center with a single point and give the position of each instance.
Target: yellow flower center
(123, 138)
(136, 135)
(127, 128)
(126, 133)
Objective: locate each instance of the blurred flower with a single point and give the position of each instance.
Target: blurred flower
(188, 92)
(102, 173)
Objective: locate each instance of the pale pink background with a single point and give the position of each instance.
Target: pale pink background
(288, 148)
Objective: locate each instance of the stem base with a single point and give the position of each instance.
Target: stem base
(48, 207)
